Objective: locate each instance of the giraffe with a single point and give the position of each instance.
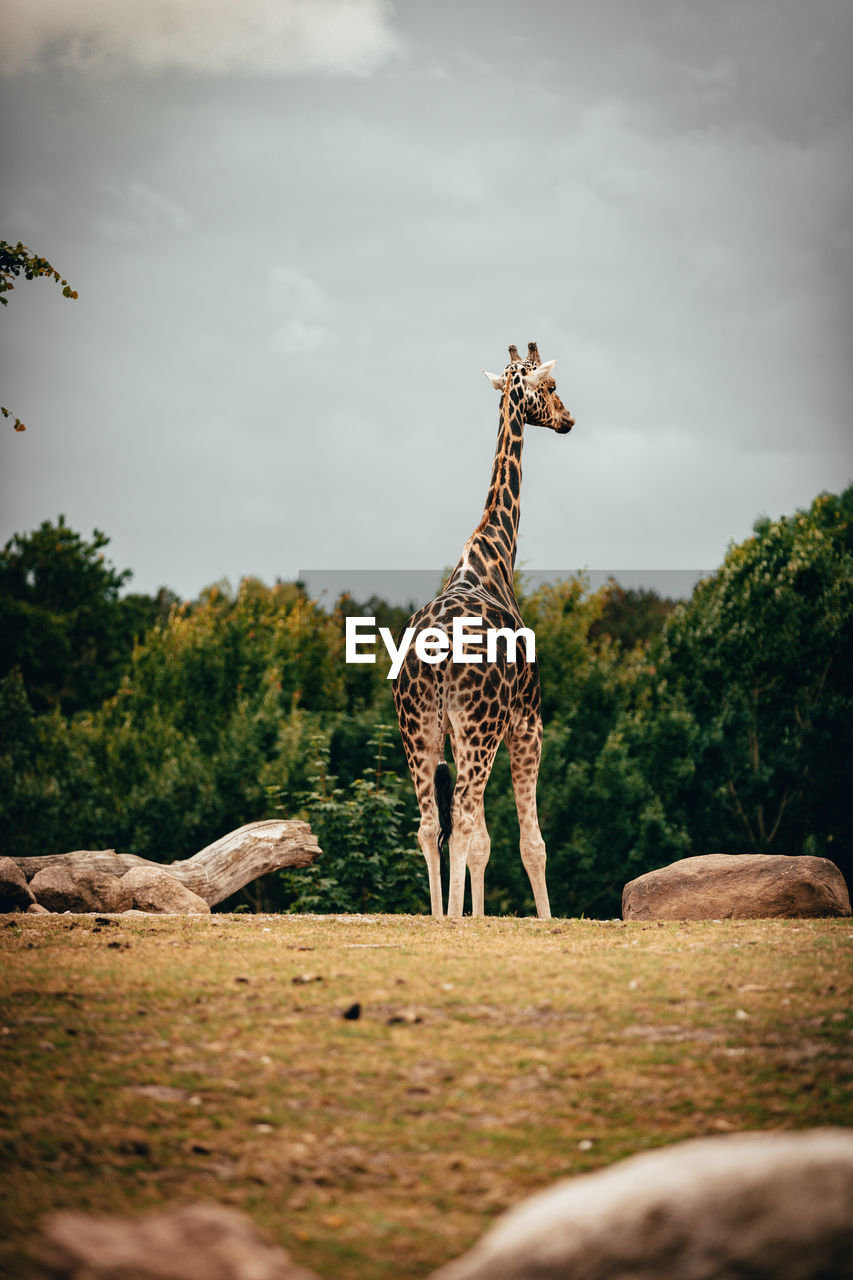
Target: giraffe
(479, 705)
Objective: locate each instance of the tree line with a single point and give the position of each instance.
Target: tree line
(717, 724)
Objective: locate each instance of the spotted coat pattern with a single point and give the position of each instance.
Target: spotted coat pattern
(480, 705)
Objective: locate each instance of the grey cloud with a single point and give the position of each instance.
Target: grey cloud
(208, 37)
(132, 210)
(303, 312)
(289, 286)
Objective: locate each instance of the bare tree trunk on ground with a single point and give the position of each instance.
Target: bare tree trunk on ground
(215, 872)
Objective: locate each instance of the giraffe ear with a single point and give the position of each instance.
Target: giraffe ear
(498, 380)
(539, 374)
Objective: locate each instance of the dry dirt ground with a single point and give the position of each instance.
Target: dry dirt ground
(158, 1060)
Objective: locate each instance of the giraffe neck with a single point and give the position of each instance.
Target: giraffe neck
(489, 554)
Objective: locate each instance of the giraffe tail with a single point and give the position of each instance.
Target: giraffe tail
(443, 782)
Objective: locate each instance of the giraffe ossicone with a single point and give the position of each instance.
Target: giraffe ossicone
(478, 705)
(532, 379)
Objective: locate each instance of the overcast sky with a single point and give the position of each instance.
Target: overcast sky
(299, 231)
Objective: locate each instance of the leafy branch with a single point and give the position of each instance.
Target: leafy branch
(16, 260)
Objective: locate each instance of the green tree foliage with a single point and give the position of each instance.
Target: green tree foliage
(615, 754)
(364, 683)
(727, 729)
(631, 616)
(371, 861)
(30, 797)
(16, 260)
(761, 655)
(62, 621)
(218, 702)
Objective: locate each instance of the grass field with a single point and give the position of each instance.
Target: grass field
(151, 1060)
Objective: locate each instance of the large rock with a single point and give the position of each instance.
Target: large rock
(15, 895)
(748, 886)
(768, 1206)
(197, 1242)
(153, 889)
(58, 889)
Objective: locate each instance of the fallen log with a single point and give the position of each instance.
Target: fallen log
(213, 873)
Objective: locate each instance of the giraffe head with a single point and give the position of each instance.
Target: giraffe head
(531, 382)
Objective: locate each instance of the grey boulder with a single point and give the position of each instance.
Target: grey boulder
(156, 891)
(57, 889)
(15, 894)
(195, 1242)
(752, 886)
(773, 1206)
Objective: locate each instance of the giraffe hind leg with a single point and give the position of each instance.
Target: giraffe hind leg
(417, 701)
(429, 831)
(469, 843)
(525, 749)
(478, 855)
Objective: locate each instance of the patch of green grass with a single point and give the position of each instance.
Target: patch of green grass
(160, 1060)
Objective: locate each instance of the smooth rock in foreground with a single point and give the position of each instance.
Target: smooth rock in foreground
(15, 894)
(198, 1242)
(770, 1206)
(751, 886)
(152, 889)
